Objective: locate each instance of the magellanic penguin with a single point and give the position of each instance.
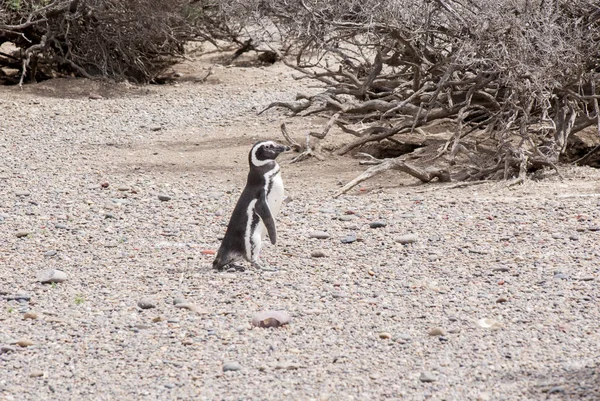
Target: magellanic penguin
(254, 214)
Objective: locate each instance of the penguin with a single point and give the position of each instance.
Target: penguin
(254, 214)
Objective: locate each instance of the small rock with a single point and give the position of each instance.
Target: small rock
(501, 269)
(557, 236)
(36, 373)
(489, 324)
(21, 234)
(19, 296)
(146, 303)
(319, 235)
(385, 335)
(30, 315)
(178, 300)
(348, 239)
(318, 254)
(377, 224)
(437, 331)
(123, 188)
(187, 305)
(50, 253)
(270, 319)
(95, 96)
(427, 377)
(22, 194)
(406, 239)
(232, 367)
(24, 342)
(560, 276)
(164, 197)
(402, 338)
(556, 390)
(51, 276)
(501, 300)
(586, 278)
(5, 349)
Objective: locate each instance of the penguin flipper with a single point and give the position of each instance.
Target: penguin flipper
(264, 212)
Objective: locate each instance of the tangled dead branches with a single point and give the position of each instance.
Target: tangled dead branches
(134, 39)
(515, 78)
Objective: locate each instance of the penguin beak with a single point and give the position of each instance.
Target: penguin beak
(281, 148)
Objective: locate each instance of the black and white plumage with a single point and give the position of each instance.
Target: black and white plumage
(254, 214)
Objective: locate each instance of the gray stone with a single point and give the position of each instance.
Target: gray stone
(406, 239)
(146, 303)
(318, 254)
(319, 235)
(427, 377)
(232, 367)
(51, 276)
(22, 194)
(348, 239)
(19, 296)
(377, 224)
(164, 197)
(50, 253)
(560, 276)
(22, 234)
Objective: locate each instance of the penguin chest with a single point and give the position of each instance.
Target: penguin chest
(275, 193)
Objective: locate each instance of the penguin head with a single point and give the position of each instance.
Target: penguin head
(264, 152)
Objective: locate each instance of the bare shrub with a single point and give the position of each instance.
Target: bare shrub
(515, 77)
(133, 39)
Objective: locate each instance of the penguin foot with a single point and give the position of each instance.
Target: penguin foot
(232, 268)
(259, 266)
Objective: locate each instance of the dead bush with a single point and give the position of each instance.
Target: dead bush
(515, 77)
(134, 40)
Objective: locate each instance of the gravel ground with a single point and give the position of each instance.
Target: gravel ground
(412, 292)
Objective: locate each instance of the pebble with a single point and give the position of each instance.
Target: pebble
(437, 331)
(501, 269)
(427, 377)
(5, 349)
(501, 300)
(22, 194)
(21, 234)
(30, 315)
(557, 236)
(385, 335)
(164, 197)
(319, 235)
(146, 303)
(232, 367)
(586, 278)
(318, 254)
(560, 276)
(36, 373)
(402, 338)
(19, 296)
(50, 253)
(24, 342)
(271, 319)
(348, 239)
(51, 276)
(187, 305)
(491, 324)
(178, 300)
(406, 239)
(377, 224)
